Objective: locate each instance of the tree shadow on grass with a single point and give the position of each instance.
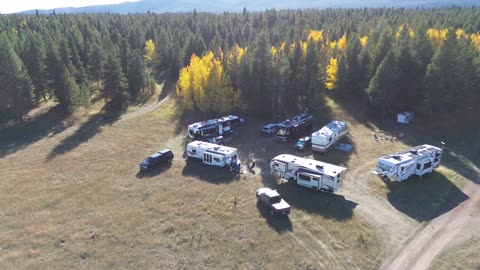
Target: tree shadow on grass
(154, 171)
(281, 223)
(425, 198)
(207, 173)
(109, 115)
(328, 205)
(22, 135)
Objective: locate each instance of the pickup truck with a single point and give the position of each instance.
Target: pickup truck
(272, 200)
(156, 159)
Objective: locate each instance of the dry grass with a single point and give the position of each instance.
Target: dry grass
(88, 208)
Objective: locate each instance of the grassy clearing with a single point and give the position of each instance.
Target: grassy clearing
(462, 256)
(170, 110)
(89, 208)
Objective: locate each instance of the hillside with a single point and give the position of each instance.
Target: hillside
(163, 6)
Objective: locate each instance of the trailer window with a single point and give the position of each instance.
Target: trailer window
(427, 165)
(194, 151)
(209, 131)
(216, 159)
(304, 177)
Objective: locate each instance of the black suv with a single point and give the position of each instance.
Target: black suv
(156, 159)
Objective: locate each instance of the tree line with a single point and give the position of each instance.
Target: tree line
(272, 62)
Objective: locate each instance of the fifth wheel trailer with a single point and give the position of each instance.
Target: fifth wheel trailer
(418, 160)
(212, 154)
(309, 173)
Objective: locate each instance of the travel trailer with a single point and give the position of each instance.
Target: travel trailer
(414, 161)
(212, 154)
(291, 129)
(214, 127)
(309, 173)
(329, 135)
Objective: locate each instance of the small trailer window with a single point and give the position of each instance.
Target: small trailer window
(427, 165)
(216, 159)
(304, 177)
(194, 151)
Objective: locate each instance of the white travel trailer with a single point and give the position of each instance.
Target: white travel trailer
(329, 135)
(309, 173)
(213, 154)
(414, 161)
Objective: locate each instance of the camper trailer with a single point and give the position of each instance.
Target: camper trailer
(212, 154)
(214, 127)
(414, 161)
(329, 135)
(309, 173)
(293, 128)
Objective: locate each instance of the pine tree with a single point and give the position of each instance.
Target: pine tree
(382, 83)
(115, 83)
(34, 58)
(17, 88)
(136, 73)
(97, 63)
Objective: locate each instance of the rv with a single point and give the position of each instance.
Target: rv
(329, 135)
(291, 129)
(309, 173)
(414, 161)
(212, 154)
(214, 127)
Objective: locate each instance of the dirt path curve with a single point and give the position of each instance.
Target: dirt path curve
(424, 246)
(143, 109)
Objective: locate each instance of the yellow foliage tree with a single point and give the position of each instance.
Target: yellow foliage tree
(476, 40)
(203, 85)
(342, 43)
(333, 44)
(461, 34)
(150, 51)
(437, 36)
(364, 41)
(316, 35)
(332, 74)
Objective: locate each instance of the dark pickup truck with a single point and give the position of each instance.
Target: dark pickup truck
(156, 159)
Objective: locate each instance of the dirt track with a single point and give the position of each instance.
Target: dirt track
(424, 246)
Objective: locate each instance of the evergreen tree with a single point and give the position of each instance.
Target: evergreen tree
(136, 73)
(97, 63)
(16, 91)
(382, 83)
(34, 58)
(115, 83)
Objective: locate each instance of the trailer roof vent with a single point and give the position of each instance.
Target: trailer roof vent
(320, 167)
(414, 152)
(397, 157)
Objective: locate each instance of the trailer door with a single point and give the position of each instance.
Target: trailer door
(207, 158)
(317, 182)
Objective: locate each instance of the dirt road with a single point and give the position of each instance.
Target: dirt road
(424, 246)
